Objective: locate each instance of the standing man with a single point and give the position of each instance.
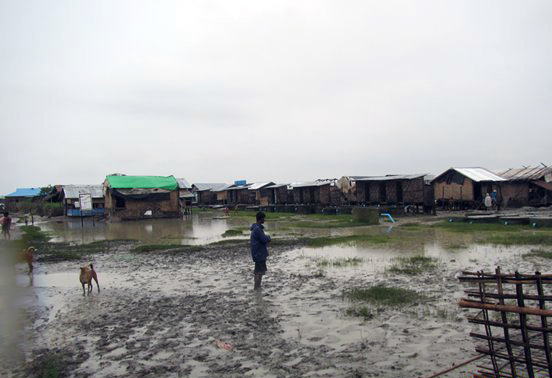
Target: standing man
(6, 225)
(259, 251)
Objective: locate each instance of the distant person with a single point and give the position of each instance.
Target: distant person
(493, 198)
(259, 251)
(6, 225)
(488, 202)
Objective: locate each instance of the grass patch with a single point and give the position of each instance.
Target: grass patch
(65, 256)
(348, 261)
(545, 254)
(471, 227)
(50, 366)
(360, 311)
(54, 252)
(319, 274)
(176, 248)
(33, 234)
(455, 246)
(382, 295)
(537, 238)
(413, 265)
(351, 239)
(155, 247)
(232, 232)
(411, 225)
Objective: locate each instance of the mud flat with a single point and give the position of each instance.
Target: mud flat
(193, 313)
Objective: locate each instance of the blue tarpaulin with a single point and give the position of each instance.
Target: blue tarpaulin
(25, 192)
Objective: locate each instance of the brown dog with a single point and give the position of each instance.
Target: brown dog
(28, 257)
(86, 276)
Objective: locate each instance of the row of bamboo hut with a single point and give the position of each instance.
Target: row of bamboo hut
(456, 188)
(134, 197)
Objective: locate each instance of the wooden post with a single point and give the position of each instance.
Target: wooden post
(524, 333)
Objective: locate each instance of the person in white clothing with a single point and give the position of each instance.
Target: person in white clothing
(488, 202)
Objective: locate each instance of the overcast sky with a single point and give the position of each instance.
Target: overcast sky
(215, 91)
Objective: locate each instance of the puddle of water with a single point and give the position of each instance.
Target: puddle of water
(196, 229)
(201, 228)
(64, 280)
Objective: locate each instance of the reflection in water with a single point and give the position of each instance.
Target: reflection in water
(195, 229)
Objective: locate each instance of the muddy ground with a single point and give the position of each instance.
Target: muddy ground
(170, 313)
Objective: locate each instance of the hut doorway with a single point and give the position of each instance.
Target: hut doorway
(382, 192)
(399, 192)
(477, 196)
(119, 202)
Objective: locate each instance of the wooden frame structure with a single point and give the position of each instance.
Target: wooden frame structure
(514, 322)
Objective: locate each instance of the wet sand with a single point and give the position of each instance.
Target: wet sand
(161, 314)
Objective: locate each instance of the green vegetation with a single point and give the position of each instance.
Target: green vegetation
(33, 234)
(496, 233)
(166, 247)
(47, 251)
(293, 220)
(349, 261)
(350, 239)
(232, 232)
(360, 312)
(413, 265)
(319, 273)
(50, 366)
(477, 227)
(534, 238)
(388, 296)
(545, 254)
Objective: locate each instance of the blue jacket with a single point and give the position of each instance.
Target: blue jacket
(259, 241)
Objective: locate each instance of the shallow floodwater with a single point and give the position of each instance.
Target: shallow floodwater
(195, 229)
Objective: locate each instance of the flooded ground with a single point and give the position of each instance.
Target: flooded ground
(194, 313)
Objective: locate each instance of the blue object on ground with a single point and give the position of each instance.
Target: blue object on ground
(388, 216)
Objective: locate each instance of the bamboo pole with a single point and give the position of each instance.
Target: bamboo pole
(510, 308)
(457, 366)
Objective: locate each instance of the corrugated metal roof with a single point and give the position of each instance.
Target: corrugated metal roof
(73, 191)
(238, 187)
(25, 192)
(392, 177)
(275, 186)
(545, 185)
(526, 173)
(312, 183)
(479, 174)
(182, 183)
(474, 174)
(208, 186)
(260, 185)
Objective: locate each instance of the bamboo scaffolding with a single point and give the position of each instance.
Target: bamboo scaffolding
(518, 333)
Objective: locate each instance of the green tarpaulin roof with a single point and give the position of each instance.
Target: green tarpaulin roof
(143, 182)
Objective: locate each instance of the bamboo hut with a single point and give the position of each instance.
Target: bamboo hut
(464, 187)
(261, 193)
(277, 194)
(528, 186)
(141, 197)
(313, 193)
(402, 190)
(70, 197)
(206, 193)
